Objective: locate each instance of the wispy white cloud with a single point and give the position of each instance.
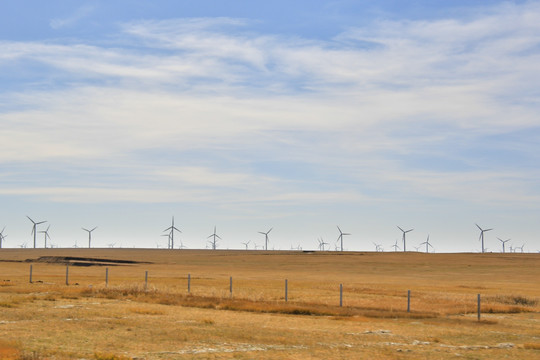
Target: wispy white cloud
(341, 107)
(80, 13)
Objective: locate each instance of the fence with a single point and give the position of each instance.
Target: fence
(189, 288)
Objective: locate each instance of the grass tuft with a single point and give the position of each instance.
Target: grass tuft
(513, 300)
(101, 356)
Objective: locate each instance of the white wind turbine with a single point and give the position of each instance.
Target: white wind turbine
(89, 236)
(214, 241)
(427, 244)
(322, 244)
(246, 244)
(34, 228)
(396, 246)
(265, 238)
(2, 237)
(171, 230)
(340, 237)
(404, 232)
(46, 235)
(503, 243)
(482, 231)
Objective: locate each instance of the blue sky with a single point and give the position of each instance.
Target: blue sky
(249, 115)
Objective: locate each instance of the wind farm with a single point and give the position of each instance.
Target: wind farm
(359, 244)
(130, 130)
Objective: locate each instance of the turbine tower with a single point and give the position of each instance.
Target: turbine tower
(89, 236)
(214, 242)
(427, 244)
(503, 242)
(246, 244)
(404, 232)
(340, 237)
(171, 230)
(482, 231)
(2, 237)
(395, 246)
(46, 235)
(34, 230)
(265, 238)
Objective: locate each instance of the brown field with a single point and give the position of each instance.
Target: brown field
(46, 319)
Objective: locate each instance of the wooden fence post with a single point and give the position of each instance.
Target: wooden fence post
(146, 280)
(230, 286)
(408, 300)
(478, 307)
(340, 295)
(30, 274)
(67, 274)
(188, 283)
(286, 291)
(106, 277)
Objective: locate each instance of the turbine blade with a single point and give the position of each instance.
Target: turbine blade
(94, 229)
(401, 229)
(30, 219)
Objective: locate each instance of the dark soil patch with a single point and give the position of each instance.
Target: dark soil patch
(83, 261)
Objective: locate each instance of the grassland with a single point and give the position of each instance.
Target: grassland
(125, 319)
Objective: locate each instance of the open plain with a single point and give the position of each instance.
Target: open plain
(122, 316)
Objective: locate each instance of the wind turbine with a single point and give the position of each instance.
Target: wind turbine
(34, 228)
(46, 235)
(2, 237)
(520, 247)
(171, 230)
(214, 242)
(504, 242)
(321, 244)
(265, 238)
(427, 244)
(404, 232)
(482, 231)
(340, 237)
(378, 247)
(396, 246)
(246, 244)
(89, 235)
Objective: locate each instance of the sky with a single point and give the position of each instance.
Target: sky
(292, 116)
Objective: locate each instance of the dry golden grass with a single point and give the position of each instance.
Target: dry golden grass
(87, 319)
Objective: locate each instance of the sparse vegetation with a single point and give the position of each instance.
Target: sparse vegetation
(124, 320)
